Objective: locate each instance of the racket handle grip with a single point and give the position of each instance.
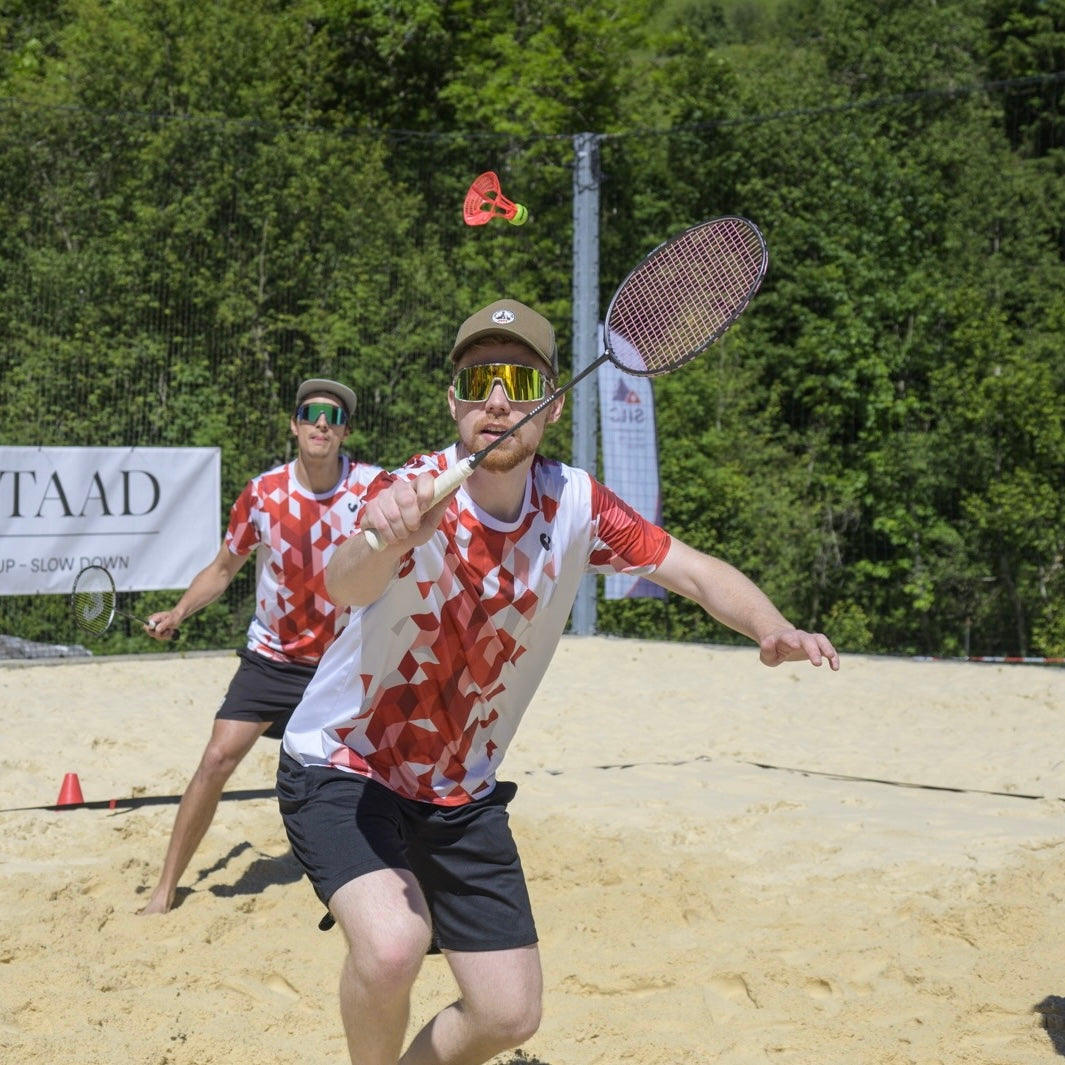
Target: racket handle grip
(444, 485)
(451, 478)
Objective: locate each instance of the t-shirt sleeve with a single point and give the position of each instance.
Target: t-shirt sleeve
(242, 533)
(625, 541)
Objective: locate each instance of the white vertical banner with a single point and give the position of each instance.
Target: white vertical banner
(630, 460)
(150, 515)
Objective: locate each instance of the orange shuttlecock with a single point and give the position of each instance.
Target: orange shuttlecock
(485, 201)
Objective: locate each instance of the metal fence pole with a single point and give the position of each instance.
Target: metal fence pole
(585, 338)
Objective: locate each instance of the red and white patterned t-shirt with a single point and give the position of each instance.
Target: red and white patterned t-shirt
(424, 689)
(295, 532)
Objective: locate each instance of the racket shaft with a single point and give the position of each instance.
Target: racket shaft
(140, 621)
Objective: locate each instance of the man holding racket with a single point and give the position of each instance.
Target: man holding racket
(292, 516)
(387, 781)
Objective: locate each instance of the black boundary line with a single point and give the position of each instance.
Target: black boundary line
(144, 800)
(270, 793)
(841, 776)
(903, 783)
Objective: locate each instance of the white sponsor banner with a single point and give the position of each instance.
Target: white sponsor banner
(149, 514)
(630, 460)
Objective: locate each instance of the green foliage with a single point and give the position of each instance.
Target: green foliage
(204, 203)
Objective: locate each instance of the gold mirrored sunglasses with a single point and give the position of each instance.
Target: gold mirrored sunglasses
(522, 384)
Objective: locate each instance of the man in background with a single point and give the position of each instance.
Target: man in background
(293, 516)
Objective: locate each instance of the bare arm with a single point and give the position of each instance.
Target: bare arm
(736, 601)
(205, 588)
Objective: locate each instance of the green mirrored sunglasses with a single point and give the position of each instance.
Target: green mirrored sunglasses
(311, 412)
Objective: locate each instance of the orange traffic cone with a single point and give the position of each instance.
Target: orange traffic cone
(70, 792)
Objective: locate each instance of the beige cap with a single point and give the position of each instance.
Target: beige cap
(317, 385)
(513, 319)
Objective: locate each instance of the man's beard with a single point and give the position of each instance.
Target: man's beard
(507, 456)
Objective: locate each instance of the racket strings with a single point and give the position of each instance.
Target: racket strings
(682, 299)
(92, 611)
(93, 603)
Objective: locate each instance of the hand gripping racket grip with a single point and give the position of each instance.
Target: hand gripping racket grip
(444, 485)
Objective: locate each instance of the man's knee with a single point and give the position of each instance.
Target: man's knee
(388, 964)
(517, 1022)
(507, 1020)
(230, 741)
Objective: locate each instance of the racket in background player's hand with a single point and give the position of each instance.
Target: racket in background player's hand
(680, 299)
(94, 602)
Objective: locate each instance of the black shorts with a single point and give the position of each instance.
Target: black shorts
(265, 690)
(342, 826)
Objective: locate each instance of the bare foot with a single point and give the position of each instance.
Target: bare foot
(160, 902)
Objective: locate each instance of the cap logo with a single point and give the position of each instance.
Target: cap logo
(503, 317)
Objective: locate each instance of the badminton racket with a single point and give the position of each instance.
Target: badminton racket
(681, 298)
(93, 602)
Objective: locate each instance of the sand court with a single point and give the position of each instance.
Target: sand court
(728, 863)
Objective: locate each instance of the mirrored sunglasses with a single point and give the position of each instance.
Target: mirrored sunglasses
(522, 384)
(311, 412)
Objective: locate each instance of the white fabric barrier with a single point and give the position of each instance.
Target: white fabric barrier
(150, 515)
(630, 460)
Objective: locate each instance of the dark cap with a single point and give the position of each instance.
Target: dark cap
(317, 385)
(513, 319)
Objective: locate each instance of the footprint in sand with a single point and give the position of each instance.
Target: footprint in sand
(733, 987)
(280, 986)
(274, 983)
(817, 988)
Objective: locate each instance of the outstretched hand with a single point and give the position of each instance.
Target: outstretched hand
(796, 645)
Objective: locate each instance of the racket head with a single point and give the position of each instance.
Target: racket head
(684, 295)
(92, 600)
